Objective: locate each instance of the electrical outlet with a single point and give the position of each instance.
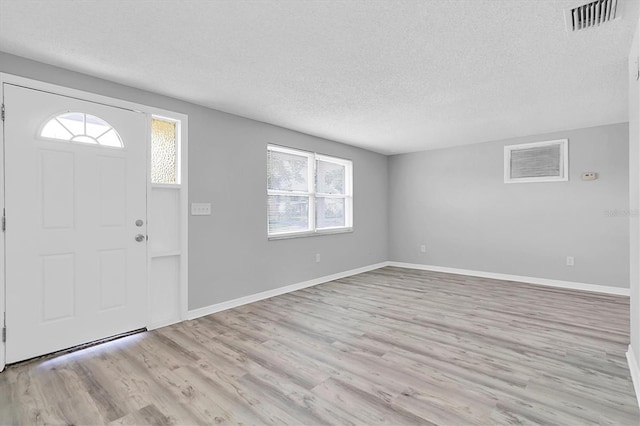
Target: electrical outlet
(570, 261)
(423, 248)
(317, 257)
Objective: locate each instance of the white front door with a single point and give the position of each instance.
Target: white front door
(75, 197)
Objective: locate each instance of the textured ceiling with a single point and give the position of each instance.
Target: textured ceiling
(390, 76)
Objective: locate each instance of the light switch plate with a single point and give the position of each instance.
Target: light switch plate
(589, 176)
(200, 209)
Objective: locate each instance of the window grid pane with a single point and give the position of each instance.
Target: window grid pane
(288, 213)
(330, 212)
(330, 177)
(288, 172)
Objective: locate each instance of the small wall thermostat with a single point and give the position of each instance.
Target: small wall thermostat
(589, 176)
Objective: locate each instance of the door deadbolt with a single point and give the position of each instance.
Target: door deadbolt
(139, 223)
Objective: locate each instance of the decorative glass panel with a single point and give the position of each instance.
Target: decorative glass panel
(330, 178)
(288, 213)
(54, 130)
(82, 128)
(163, 152)
(287, 172)
(96, 127)
(110, 138)
(74, 121)
(330, 212)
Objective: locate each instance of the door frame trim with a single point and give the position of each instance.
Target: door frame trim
(150, 112)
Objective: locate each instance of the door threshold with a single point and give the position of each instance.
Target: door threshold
(78, 347)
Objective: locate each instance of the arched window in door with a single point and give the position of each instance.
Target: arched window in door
(83, 128)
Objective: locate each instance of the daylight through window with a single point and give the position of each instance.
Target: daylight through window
(164, 151)
(82, 128)
(307, 193)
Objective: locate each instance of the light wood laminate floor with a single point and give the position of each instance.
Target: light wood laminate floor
(392, 346)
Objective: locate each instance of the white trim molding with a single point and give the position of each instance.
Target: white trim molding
(161, 324)
(517, 278)
(634, 369)
(223, 306)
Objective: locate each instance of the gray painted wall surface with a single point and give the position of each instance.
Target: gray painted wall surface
(454, 201)
(229, 255)
(634, 195)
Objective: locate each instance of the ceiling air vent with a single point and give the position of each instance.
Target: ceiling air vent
(591, 14)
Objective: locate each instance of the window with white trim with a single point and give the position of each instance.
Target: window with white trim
(307, 193)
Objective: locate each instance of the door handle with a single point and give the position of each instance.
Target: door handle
(140, 238)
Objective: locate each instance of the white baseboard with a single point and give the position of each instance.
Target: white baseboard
(165, 323)
(635, 372)
(517, 278)
(207, 310)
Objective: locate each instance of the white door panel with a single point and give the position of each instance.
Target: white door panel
(74, 271)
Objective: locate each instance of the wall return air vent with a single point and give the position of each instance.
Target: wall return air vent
(537, 162)
(591, 14)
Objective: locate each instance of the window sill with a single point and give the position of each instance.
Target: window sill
(166, 185)
(310, 234)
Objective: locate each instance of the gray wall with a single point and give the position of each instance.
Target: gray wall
(634, 195)
(454, 201)
(229, 255)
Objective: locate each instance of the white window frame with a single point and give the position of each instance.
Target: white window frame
(564, 162)
(312, 159)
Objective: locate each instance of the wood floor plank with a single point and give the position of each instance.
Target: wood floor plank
(149, 415)
(391, 346)
(275, 397)
(367, 407)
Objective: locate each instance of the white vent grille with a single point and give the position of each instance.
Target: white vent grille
(543, 161)
(536, 162)
(591, 14)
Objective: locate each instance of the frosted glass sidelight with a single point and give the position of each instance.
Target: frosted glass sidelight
(82, 128)
(164, 152)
